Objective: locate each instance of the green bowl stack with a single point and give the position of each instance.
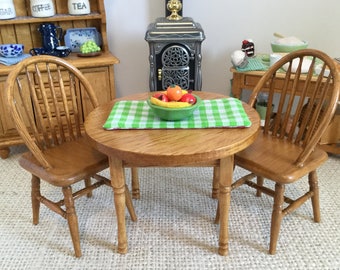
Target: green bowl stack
(287, 48)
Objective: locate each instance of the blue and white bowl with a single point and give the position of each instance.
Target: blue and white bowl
(11, 50)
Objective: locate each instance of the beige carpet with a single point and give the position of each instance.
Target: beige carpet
(175, 228)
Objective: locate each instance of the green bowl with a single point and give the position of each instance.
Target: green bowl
(174, 114)
(288, 48)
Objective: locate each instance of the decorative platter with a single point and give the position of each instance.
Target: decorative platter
(75, 37)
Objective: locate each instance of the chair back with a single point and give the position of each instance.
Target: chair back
(45, 96)
(294, 115)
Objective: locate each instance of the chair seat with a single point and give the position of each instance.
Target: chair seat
(71, 162)
(275, 159)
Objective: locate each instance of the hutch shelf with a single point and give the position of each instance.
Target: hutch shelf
(23, 29)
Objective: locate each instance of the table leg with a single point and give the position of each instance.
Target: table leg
(118, 185)
(226, 175)
(216, 182)
(236, 88)
(135, 183)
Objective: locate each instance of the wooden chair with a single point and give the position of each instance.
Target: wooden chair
(287, 148)
(43, 96)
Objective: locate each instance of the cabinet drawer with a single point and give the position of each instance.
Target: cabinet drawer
(251, 81)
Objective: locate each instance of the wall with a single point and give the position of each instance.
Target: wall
(225, 23)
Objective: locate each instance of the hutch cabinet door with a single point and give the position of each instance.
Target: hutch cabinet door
(101, 79)
(8, 127)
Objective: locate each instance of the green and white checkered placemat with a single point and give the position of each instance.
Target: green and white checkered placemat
(253, 64)
(133, 114)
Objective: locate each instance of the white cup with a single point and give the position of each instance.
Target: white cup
(273, 58)
(42, 8)
(7, 10)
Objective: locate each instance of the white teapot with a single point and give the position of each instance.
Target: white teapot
(239, 59)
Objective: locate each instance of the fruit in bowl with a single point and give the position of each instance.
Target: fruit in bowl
(174, 103)
(89, 46)
(11, 50)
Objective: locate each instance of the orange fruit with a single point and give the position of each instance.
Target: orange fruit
(174, 92)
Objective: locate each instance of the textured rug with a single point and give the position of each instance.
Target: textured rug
(175, 228)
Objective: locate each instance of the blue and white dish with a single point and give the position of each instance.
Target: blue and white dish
(75, 37)
(11, 50)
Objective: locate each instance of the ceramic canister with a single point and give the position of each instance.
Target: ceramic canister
(79, 7)
(7, 10)
(42, 8)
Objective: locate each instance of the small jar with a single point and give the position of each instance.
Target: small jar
(79, 7)
(42, 8)
(7, 10)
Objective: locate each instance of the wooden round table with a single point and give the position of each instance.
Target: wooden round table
(170, 148)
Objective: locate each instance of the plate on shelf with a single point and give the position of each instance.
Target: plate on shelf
(89, 54)
(75, 37)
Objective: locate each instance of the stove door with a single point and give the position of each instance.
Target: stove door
(176, 66)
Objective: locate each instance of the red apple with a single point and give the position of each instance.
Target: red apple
(188, 98)
(161, 96)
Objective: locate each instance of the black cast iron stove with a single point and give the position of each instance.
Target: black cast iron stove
(175, 53)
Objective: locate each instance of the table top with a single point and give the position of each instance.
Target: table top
(162, 147)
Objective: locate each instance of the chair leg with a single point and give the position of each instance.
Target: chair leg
(216, 181)
(87, 184)
(129, 204)
(313, 184)
(35, 194)
(217, 217)
(277, 216)
(260, 181)
(135, 183)
(72, 219)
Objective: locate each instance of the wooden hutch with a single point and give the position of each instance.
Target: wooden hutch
(23, 29)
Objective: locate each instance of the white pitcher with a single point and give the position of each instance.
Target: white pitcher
(7, 10)
(42, 8)
(79, 7)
